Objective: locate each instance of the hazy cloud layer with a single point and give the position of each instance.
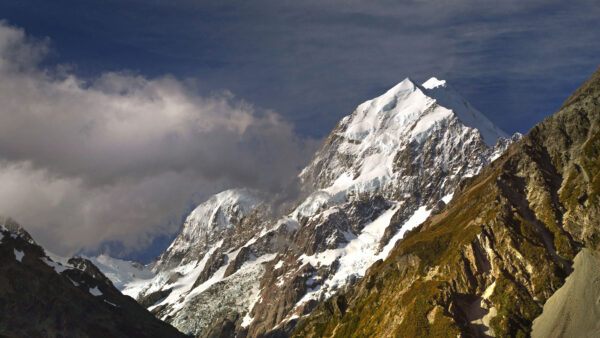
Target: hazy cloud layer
(121, 157)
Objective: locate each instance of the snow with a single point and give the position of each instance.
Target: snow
(403, 101)
(95, 291)
(208, 216)
(360, 253)
(434, 83)
(247, 320)
(447, 198)
(354, 258)
(428, 122)
(249, 268)
(419, 216)
(183, 285)
(210, 220)
(379, 128)
(278, 265)
(120, 272)
(58, 259)
(19, 254)
(311, 204)
(57, 266)
(109, 303)
(467, 114)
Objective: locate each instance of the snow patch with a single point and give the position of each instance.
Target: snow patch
(415, 220)
(56, 266)
(109, 303)
(95, 291)
(19, 254)
(121, 272)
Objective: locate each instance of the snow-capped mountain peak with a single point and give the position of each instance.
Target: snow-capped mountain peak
(381, 172)
(219, 213)
(208, 223)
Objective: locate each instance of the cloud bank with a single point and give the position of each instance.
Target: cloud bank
(122, 157)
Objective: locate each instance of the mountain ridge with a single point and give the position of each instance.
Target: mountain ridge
(485, 264)
(45, 296)
(382, 170)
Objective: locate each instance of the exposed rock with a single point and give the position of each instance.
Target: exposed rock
(379, 173)
(42, 297)
(489, 260)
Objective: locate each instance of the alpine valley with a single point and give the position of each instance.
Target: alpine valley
(417, 217)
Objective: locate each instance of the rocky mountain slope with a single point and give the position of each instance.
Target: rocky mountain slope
(383, 169)
(486, 263)
(44, 295)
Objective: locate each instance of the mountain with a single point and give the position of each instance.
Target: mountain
(494, 260)
(44, 295)
(235, 269)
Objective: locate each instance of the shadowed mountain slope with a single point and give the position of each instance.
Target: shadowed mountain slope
(43, 297)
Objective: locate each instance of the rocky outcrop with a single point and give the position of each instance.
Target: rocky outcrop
(40, 296)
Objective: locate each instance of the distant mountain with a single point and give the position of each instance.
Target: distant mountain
(395, 160)
(493, 261)
(44, 295)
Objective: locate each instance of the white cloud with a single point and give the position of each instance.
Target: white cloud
(118, 157)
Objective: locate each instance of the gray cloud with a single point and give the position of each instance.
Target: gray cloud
(121, 157)
(310, 61)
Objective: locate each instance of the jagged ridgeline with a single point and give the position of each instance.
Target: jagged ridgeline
(42, 295)
(486, 264)
(382, 170)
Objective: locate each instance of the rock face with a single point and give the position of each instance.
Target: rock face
(44, 296)
(381, 172)
(485, 264)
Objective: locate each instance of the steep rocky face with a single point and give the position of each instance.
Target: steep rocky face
(485, 264)
(381, 172)
(218, 251)
(44, 296)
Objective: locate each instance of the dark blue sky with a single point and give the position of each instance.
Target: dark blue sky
(312, 62)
